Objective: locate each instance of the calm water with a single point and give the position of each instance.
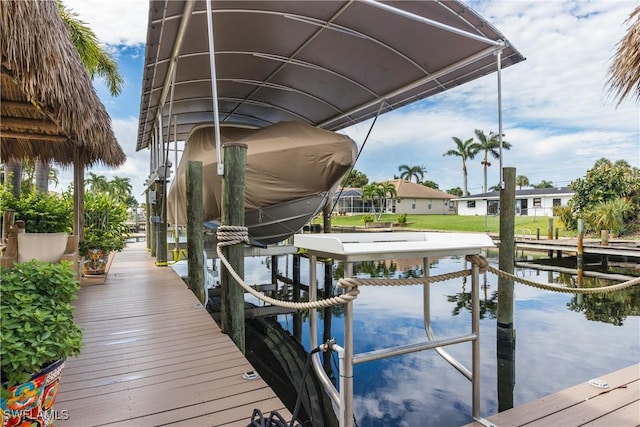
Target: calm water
(562, 340)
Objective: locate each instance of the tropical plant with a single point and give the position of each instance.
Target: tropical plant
(105, 224)
(408, 172)
(430, 184)
(566, 217)
(457, 191)
(387, 189)
(466, 150)
(367, 218)
(96, 183)
(624, 72)
(543, 184)
(37, 318)
(496, 187)
(371, 192)
(402, 219)
(522, 181)
(609, 215)
(120, 188)
(607, 181)
(355, 178)
(94, 56)
(489, 144)
(41, 212)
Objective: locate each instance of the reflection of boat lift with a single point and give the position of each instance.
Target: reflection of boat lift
(353, 247)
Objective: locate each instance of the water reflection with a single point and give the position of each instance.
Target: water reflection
(562, 340)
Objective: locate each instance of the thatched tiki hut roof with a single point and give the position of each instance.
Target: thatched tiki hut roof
(624, 73)
(48, 104)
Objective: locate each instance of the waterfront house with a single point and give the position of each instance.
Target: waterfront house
(411, 198)
(531, 202)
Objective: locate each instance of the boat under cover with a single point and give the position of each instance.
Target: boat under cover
(291, 168)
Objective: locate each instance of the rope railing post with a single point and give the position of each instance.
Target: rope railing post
(233, 188)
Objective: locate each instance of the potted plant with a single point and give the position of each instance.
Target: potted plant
(37, 335)
(105, 232)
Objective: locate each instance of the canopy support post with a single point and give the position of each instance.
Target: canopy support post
(214, 88)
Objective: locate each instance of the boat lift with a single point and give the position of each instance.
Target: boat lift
(355, 247)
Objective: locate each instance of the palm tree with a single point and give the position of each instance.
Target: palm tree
(465, 150)
(388, 190)
(408, 172)
(544, 184)
(370, 192)
(490, 144)
(93, 55)
(13, 176)
(522, 181)
(120, 188)
(624, 72)
(95, 59)
(97, 183)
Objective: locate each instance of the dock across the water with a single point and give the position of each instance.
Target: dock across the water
(586, 404)
(152, 356)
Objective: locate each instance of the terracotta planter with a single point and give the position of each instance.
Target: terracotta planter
(95, 262)
(31, 403)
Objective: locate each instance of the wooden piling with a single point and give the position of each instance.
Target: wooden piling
(506, 255)
(147, 219)
(161, 241)
(153, 219)
(195, 238)
(550, 229)
(297, 317)
(604, 238)
(233, 189)
(537, 233)
(580, 251)
(328, 287)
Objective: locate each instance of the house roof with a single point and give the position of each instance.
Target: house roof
(556, 191)
(330, 64)
(411, 190)
(404, 189)
(48, 104)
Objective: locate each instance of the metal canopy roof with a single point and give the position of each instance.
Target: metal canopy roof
(327, 63)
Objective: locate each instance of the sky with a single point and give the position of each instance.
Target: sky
(557, 112)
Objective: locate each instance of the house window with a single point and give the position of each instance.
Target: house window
(429, 205)
(471, 203)
(537, 201)
(446, 202)
(413, 204)
(557, 202)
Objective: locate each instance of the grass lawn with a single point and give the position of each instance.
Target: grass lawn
(523, 224)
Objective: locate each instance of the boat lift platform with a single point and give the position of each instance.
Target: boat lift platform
(355, 247)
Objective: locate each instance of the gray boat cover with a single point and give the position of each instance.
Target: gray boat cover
(285, 161)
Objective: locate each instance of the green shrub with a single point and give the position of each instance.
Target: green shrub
(367, 218)
(566, 217)
(42, 212)
(105, 224)
(37, 318)
(609, 215)
(402, 219)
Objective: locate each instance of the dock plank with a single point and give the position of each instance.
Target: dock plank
(582, 404)
(152, 356)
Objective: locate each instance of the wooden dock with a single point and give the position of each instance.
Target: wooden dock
(589, 247)
(153, 356)
(581, 405)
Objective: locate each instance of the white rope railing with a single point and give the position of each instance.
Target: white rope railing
(231, 235)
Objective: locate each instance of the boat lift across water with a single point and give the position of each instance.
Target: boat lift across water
(354, 247)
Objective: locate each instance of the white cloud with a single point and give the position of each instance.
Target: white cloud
(115, 22)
